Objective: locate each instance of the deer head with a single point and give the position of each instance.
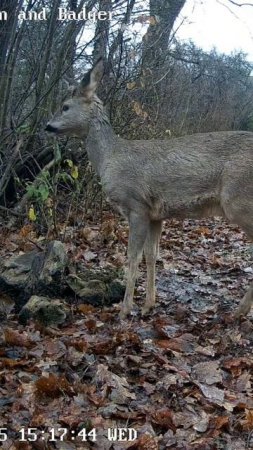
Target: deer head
(76, 112)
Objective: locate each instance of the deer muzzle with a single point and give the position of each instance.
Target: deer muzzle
(51, 129)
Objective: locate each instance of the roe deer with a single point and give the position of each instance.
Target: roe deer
(148, 181)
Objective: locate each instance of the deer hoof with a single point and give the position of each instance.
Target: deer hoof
(243, 310)
(124, 312)
(146, 310)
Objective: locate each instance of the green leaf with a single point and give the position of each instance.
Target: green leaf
(43, 192)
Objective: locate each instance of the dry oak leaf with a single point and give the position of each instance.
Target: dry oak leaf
(166, 328)
(13, 337)
(120, 392)
(25, 230)
(236, 365)
(219, 422)
(207, 372)
(53, 386)
(107, 231)
(88, 234)
(79, 344)
(146, 442)
(185, 343)
(86, 309)
(103, 347)
(8, 362)
(243, 382)
(164, 418)
(212, 393)
(247, 423)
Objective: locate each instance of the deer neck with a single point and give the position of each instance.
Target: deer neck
(101, 139)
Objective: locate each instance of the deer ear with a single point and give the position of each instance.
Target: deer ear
(91, 79)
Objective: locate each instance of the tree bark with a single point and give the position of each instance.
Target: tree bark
(6, 28)
(155, 42)
(102, 33)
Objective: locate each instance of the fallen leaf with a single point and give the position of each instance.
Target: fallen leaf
(207, 372)
(89, 256)
(86, 309)
(14, 337)
(212, 393)
(52, 386)
(164, 418)
(120, 389)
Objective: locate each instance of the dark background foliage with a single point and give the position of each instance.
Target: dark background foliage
(154, 85)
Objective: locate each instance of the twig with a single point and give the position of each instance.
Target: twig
(19, 208)
(36, 244)
(240, 4)
(10, 164)
(11, 211)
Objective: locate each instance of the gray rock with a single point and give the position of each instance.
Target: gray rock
(97, 287)
(45, 310)
(34, 272)
(43, 273)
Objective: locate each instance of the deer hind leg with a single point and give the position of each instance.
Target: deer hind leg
(247, 301)
(138, 228)
(238, 209)
(151, 249)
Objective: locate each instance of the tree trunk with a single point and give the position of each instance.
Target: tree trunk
(6, 28)
(163, 15)
(102, 33)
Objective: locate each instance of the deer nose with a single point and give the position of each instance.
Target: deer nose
(50, 128)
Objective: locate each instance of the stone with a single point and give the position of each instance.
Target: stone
(45, 310)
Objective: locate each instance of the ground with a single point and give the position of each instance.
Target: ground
(181, 377)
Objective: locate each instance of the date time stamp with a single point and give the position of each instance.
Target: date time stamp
(62, 434)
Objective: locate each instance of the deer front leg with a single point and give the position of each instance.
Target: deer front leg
(138, 227)
(151, 249)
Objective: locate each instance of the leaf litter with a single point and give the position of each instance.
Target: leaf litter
(181, 377)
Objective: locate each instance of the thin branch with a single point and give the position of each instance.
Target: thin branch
(11, 211)
(240, 4)
(21, 205)
(12, 160)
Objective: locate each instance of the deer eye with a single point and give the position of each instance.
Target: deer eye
(65, 108)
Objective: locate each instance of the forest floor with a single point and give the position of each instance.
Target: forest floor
(180, 377)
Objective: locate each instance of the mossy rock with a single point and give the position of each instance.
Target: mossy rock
(98, 288)
(115, 291)
(36, 272)
(45, 310)
(105, 275)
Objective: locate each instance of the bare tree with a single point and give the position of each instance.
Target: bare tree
(7, 27)
(153, 89)
(163, 14)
